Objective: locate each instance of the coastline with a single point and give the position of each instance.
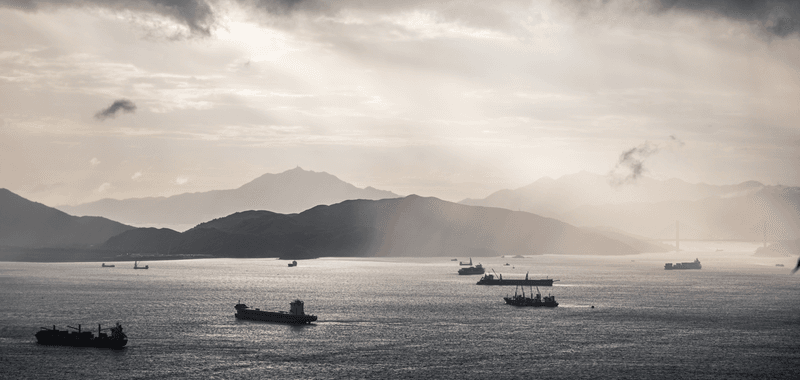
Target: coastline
(60, 255)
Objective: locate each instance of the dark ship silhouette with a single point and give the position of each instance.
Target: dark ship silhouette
(55, 337)
(293, 263)
(690, 265)
(491, 279)
(534, 300)
(478, 269)
(107, 266)
(136, 266)
(296, 315)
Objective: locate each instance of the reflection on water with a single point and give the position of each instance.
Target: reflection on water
(416, 318)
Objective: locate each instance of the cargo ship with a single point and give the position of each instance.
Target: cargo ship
(136, 266)
(107, 266)
(463, 263)
(293, 263)
(296, 315)
(490, 279)
(79, 338)
(691, 265)
(478, 269)
(534, 300)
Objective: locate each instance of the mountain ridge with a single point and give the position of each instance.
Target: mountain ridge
(28, 224)
(409, 226)
(772, 213)
(291, 191)
(550, 197)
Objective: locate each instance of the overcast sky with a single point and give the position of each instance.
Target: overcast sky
(453, 99)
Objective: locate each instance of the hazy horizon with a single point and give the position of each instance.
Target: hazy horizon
(110, 99)
(611, 184)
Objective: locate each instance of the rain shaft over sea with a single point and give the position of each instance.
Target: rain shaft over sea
(416, 318)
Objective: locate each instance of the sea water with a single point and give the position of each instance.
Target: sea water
(414, 318)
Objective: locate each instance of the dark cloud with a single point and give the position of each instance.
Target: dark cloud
(778, 17)
(197, 15)
(121, 105)
(631, 164)
(201, 17)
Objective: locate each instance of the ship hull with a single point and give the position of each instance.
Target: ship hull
(529, 302)
(269, 316)
(542, 282)
(46, 339)
(680, 266)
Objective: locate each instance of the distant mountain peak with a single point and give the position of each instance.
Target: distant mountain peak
(291, 191)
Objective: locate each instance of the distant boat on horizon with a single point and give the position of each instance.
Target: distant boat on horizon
(490, 279)
(293, 263)
(107, 266)
(136, 266)
(686, 265)
(463, 263)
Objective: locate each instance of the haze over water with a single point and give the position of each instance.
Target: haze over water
(738, 317)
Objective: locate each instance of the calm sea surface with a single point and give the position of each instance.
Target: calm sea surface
(394, 318)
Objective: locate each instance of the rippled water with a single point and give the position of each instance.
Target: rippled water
(738, 317)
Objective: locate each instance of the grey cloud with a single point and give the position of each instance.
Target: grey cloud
(631, 164)
(197, 15)
(201, 16)
(777, 17)
(121, 105)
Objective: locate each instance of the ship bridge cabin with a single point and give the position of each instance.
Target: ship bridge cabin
(296, 308)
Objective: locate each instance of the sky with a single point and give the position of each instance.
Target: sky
(452, 99)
